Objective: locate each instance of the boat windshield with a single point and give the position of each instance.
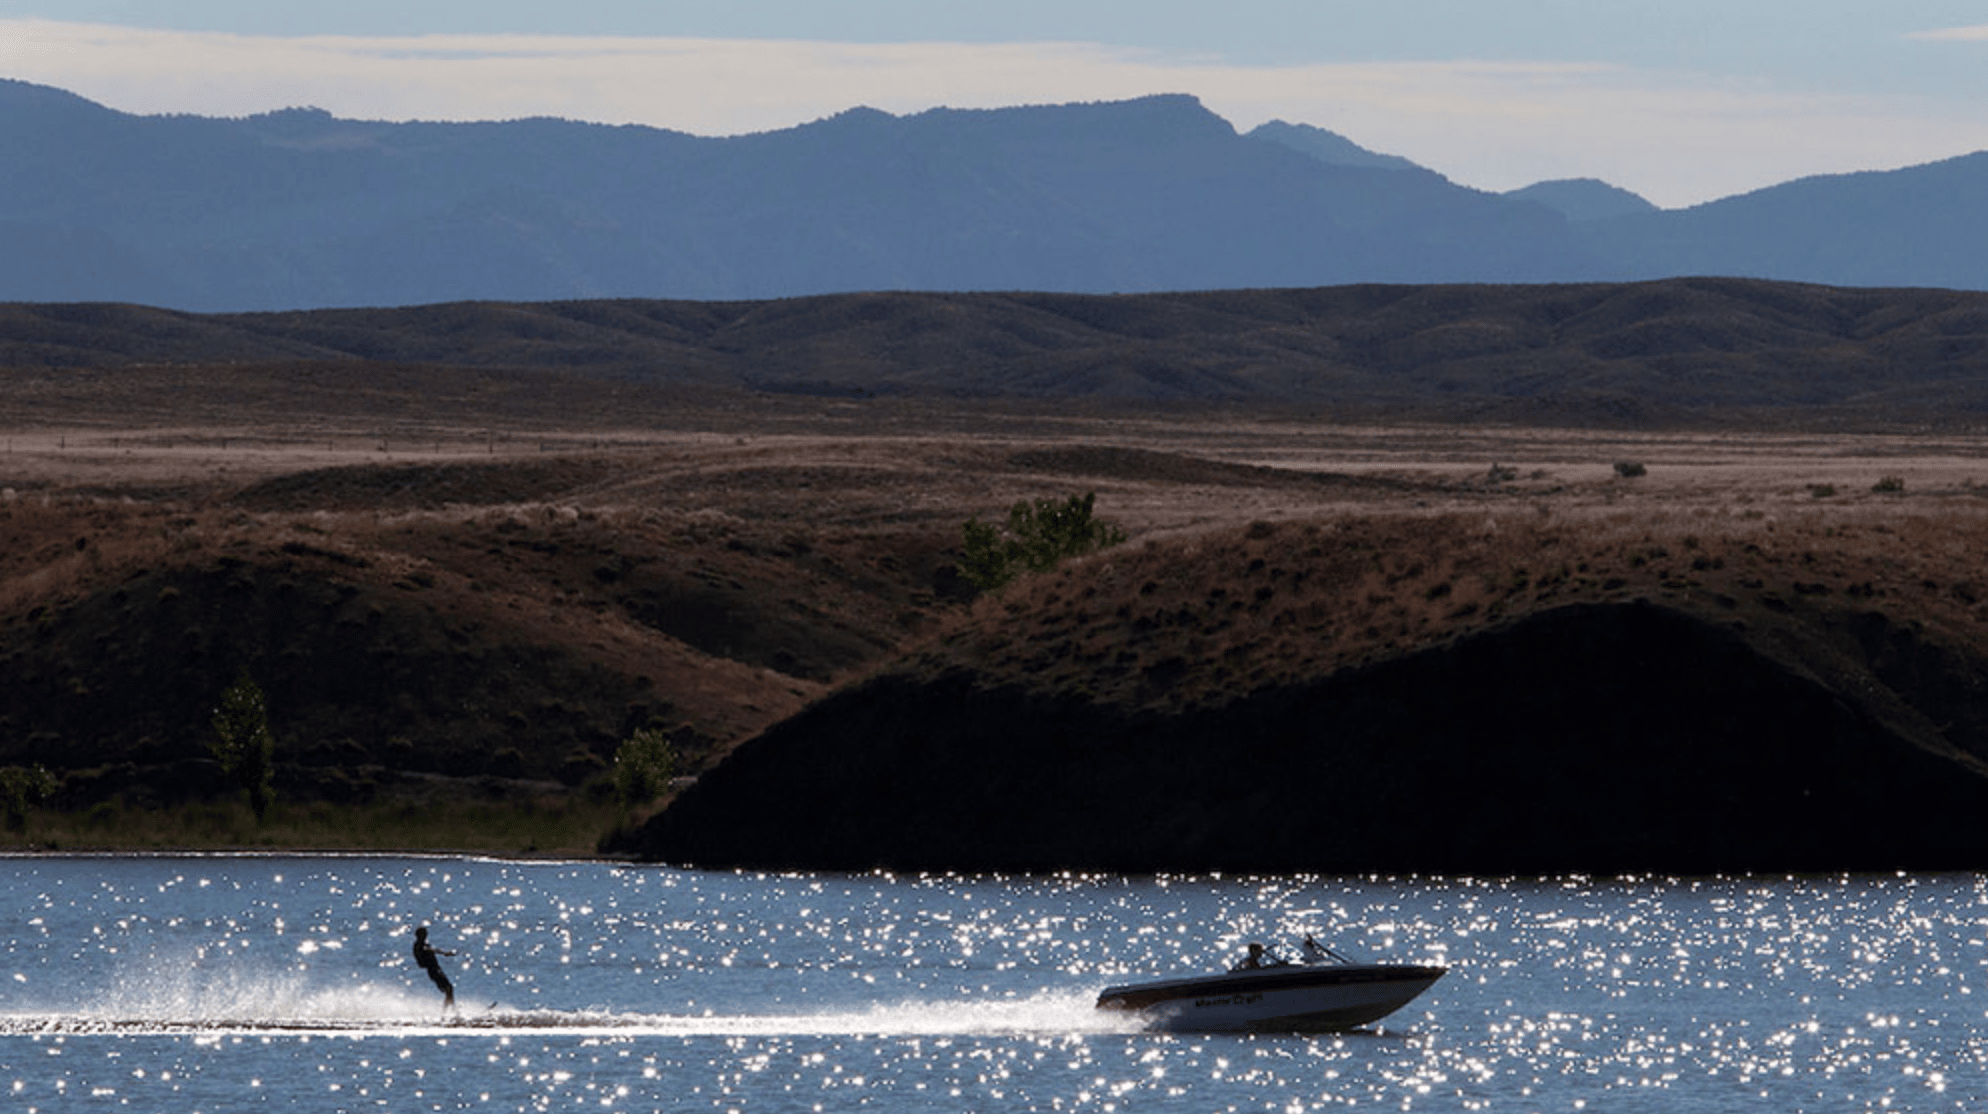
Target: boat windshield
(1316, 952)
(1313, 953)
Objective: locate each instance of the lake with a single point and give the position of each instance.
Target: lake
(217, 983)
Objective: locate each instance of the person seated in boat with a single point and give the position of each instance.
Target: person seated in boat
(1257, 959)
(1319, 953)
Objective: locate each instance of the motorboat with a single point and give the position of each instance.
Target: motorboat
(1324, 993)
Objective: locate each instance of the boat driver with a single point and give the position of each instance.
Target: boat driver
(1256, 960)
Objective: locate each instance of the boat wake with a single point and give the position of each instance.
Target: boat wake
(1048, 1013)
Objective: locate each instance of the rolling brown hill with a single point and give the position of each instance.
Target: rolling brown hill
(467, 549)
(1702, 350)
(1464, 694)
(499, 627)
(484, 617)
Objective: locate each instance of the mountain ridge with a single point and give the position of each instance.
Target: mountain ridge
(1583, 199)
(300, 209)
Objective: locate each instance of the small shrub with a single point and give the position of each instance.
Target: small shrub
(1500, 474)
(1037, 536)
(1822, 491)
(643, 766)
(1890, 485)
(1629, 469)
(21, 788)
(243, 745)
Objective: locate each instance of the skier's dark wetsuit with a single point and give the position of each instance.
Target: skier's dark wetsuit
(424, 954)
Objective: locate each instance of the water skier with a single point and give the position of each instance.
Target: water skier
(424, 954)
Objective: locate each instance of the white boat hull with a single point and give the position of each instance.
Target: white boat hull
(1288, 999)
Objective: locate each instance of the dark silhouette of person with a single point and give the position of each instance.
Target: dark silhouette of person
(424, 954)
(1321, 953)
(1254, 961)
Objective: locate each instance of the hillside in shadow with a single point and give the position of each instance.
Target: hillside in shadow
(1702, 350)
(1456, 695)
(470, 626)
(1403, 593)
(455, 629)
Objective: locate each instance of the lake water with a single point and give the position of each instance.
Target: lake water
(228, 983)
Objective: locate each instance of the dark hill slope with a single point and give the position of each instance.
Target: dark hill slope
(500, 625)
(1689, 344)
(1375, 695)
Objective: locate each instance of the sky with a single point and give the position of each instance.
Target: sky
(1682, 101)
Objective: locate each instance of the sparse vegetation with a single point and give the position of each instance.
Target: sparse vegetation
(1889, 485)
(643, 767)
(1179, 621)
(1822, 491)
(1629, 469)
(1038, 536)
(1279, 626)
(566, 825)
(243, 744)
(455, 644)
(21, 788)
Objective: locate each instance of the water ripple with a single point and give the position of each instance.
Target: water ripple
(166, 982)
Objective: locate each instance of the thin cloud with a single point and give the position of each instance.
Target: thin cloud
(1953, 35)
(1676, 138)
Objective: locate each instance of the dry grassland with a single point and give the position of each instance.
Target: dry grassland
(437, 588)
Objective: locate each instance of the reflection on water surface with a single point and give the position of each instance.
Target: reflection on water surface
(211, 982)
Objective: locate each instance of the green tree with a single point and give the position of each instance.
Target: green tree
(21, 788)
(243, 744)
(1037, 536)
(643, 766)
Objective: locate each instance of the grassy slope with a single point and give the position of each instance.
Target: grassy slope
(483, 622)
(477, 634)
(1494, 692)
(454, 647)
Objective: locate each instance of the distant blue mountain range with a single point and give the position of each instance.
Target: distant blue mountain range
(299, 209)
